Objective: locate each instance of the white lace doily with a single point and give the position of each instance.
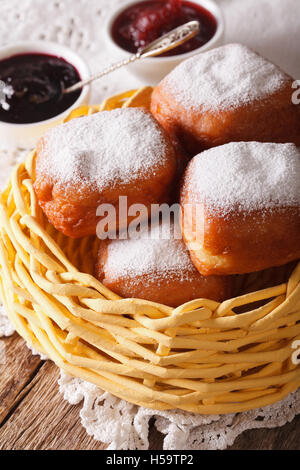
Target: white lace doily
(126, 425)
(269, 26)
(6, 328)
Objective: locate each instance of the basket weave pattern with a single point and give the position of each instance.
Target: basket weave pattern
(202, 357)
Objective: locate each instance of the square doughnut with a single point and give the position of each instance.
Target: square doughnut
(240, 207)
(155, 265)
(93, 161)
(228, 94)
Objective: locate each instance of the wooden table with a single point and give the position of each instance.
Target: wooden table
(34, 416)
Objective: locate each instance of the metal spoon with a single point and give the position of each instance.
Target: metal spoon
(169, 41)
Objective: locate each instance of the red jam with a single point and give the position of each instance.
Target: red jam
(143, 22)
(37, 81)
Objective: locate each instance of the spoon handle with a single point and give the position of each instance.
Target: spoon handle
(106, 71)
(169, 41)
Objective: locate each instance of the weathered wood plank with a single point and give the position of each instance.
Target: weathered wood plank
(285, 438)
(43, 420)
(16, 371)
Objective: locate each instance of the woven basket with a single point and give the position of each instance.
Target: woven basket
(202, 357)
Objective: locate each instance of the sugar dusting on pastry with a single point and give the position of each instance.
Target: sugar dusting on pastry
(104, 150)
(222, 78)
(155, 253)
(246, 176)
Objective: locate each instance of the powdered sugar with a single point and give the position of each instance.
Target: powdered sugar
(246, 175)
(157, 254)
(105, 149)
(225, 77)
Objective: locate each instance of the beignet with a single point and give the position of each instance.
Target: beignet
(241, 207)
(228, 94)
(92, 161)
(156, 269)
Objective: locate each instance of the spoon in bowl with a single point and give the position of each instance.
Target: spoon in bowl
(165, 43)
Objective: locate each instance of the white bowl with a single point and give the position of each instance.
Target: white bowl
(27, 135)
(153, 69)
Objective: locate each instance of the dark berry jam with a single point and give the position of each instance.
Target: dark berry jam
(37, 82)
(143, 22)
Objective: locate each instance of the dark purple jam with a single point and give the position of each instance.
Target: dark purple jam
(38, 81)
(141, 23)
